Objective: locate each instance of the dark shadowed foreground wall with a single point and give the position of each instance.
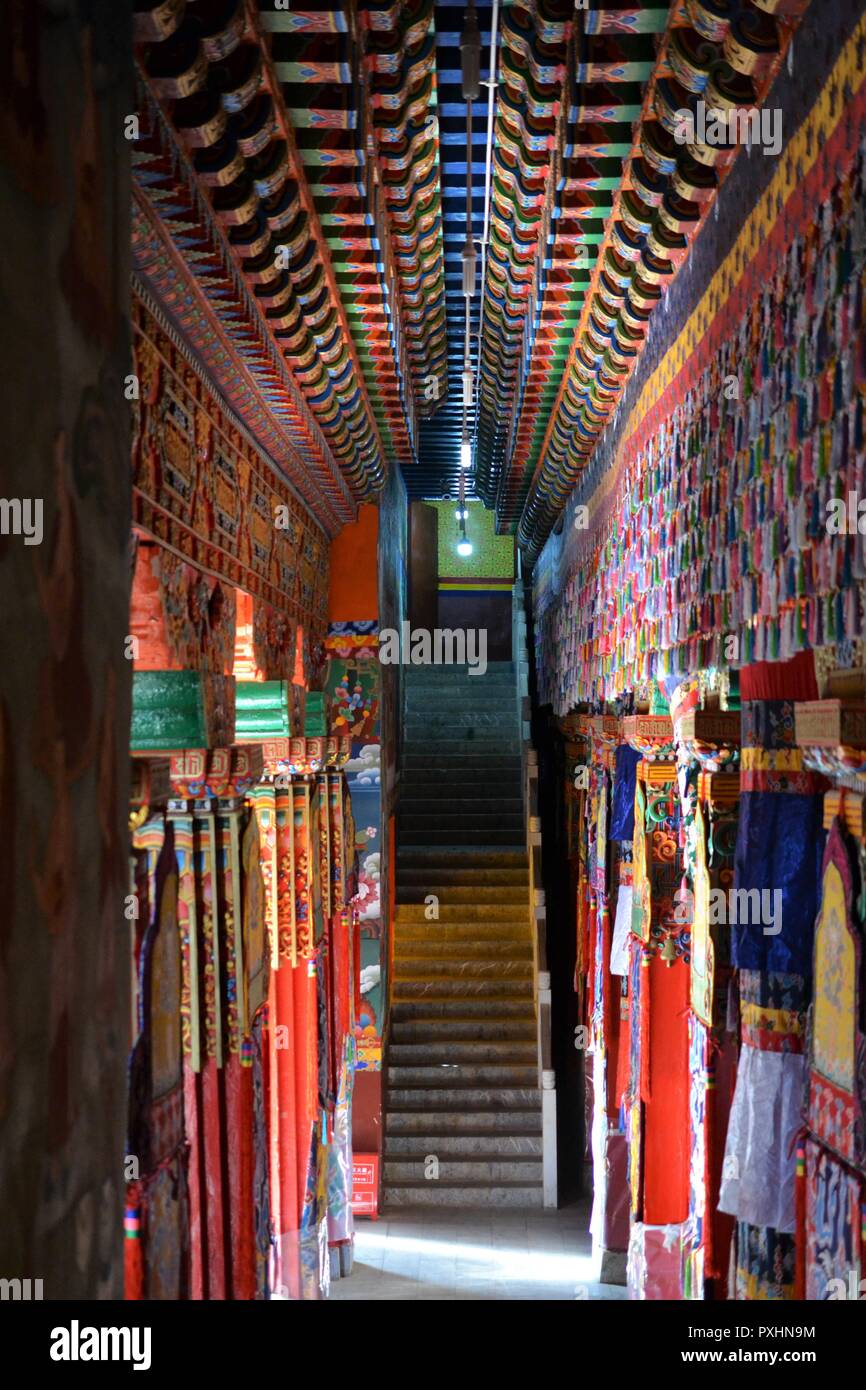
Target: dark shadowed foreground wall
(65, 88)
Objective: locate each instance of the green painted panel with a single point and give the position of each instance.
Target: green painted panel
(167, 710)
(262, 709)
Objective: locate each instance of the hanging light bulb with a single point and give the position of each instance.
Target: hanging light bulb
(464, 547)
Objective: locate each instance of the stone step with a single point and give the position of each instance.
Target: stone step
(473, 785)
(456, 724)
(447, 747)
(497, 766)
(502, 669)
(436, 792)
(471, 1195)
(498, 698)
(419, 947)
(428, 1031)
(470, 769)
(495, 1144)
(408, 967)
(459, 986)
(451, 877)
(456, 1060)
(447, 1054)
(452, 894)
(460, 857)
(459, 819)
(443, 1120)
(454, 768)
(460, 1011)
(464, 1100)
(448, 838)
(479, 808)
(464, 1168)
(516, 912)
(462, 1076)
(492, 934)
(478, 688)
(492, 931)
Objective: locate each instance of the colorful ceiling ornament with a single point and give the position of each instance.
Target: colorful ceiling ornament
(611, 56)
(440, 434)
(216, 140)
(725, 57)
(526, 170)
(400, 61)
(328, 64)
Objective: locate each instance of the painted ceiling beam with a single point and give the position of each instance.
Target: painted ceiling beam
(325, 72)
(667, 191)
(208, 72)
(609, 64)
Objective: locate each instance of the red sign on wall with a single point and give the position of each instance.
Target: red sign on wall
(365, 1185)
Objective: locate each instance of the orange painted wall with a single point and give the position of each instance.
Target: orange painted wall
(354, 569)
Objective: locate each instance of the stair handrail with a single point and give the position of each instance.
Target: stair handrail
(538, 910)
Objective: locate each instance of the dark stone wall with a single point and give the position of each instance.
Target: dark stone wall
(393, 585)
(65, 88)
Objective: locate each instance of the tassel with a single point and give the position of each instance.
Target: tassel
(133, 1256)
(645, 1077)
(800, 1239)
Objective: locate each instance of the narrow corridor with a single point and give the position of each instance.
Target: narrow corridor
(433, 642)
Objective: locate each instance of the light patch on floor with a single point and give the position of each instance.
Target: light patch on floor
(444, 1255)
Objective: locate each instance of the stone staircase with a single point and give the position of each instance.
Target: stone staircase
(462, 1104)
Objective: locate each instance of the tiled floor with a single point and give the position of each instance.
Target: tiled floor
(435, 1254)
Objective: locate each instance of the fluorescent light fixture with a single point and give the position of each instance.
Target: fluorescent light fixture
(469, 267)
(465, 454)
(464, 548)
(468, 386)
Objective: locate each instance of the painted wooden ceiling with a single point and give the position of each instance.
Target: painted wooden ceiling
(301, 212)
